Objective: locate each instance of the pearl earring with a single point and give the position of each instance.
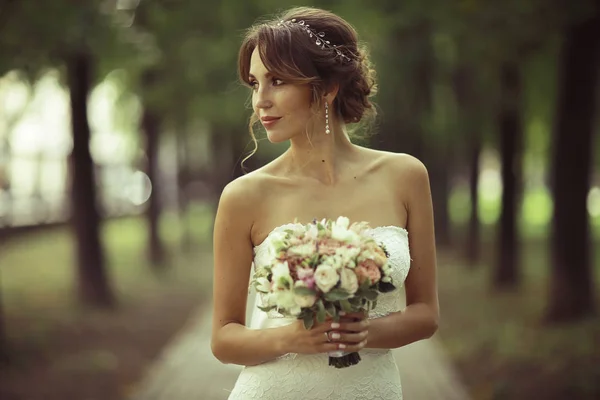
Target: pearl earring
(327, 131)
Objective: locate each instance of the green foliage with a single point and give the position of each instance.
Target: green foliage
(337, 294)
(37, 36)
(308, 320)
(320, 311)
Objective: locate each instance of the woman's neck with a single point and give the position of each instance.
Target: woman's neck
(320, 158)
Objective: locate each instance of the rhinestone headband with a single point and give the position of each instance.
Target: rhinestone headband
(319, 37)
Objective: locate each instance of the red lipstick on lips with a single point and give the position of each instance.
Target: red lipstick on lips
(269, 121)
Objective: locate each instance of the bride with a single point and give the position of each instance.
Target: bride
(309, 78)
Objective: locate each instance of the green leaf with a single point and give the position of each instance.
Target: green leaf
(355, 301)
(337, 295)
(346, 306)
(371, 295)
(285, 282)
(366, 285)
(330, 309)
(309, 320)
(320, 312)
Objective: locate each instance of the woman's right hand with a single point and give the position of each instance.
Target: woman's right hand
(297, 339)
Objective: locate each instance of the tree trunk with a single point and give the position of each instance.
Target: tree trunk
(571, 283)
(94, 287)
(224, 162)
(151, 127)
(506, 274)
(183, 180)
(407, 96)
(474, 230)
(3, 338)
(439, 171)
(464, 89)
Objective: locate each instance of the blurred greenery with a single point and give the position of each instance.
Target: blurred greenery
(37, 273)
(498, 341)
(168, 122)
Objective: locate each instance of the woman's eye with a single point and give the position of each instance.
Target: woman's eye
(253, 84)
(277, 82)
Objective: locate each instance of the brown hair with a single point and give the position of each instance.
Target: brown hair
(291, 54)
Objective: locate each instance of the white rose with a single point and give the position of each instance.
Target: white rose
(326, 277)
(349, 281)
(305, 300)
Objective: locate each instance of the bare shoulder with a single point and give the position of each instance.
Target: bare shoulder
(240, 196)
(241, 189)
(410, 167)
(401, 165)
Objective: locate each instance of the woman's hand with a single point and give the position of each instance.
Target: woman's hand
(353, 331)
(349, 335)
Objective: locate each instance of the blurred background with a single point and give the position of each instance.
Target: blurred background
(122, 120)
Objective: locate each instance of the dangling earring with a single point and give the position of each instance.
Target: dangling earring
(327, 131)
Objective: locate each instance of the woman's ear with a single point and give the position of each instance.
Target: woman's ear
(331, 93)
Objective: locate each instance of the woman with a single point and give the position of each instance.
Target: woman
(309, 78)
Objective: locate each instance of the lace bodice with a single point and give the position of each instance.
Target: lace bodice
(309, 377)
(395, 240)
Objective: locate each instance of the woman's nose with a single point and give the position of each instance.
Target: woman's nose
(263, 99)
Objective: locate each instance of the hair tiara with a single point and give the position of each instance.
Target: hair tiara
(319, 37)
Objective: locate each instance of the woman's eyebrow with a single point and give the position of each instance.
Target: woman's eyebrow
(267, 75)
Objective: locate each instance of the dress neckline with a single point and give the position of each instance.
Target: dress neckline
(291, 224)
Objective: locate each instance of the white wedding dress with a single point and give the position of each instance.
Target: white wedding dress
(309, 377)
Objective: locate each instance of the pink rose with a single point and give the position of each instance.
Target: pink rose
(368, 270)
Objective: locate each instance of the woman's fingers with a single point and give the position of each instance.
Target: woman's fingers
(354, 315)
(327, 326)
(358, 326)
(349, 338)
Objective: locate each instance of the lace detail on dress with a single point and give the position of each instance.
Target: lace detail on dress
(395, 240)
(376, 377)
(309, 377)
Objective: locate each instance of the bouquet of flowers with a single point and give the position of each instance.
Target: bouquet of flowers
(322, 268)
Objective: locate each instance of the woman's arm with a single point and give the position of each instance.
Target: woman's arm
(420, 318)
(232, 342)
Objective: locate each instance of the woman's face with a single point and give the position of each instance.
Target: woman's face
(284, 109)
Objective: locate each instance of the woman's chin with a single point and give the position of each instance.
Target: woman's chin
(276, 137)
